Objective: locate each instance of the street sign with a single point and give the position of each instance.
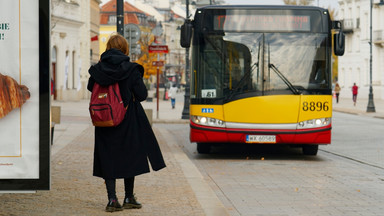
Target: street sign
(132, 33)
(157, 31)
(158, 63)
(158, 49)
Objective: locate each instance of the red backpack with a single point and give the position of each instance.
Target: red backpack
(106, 106)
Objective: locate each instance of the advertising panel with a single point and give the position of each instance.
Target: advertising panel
(24, 147)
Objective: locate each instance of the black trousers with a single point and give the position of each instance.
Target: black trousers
(111, 187)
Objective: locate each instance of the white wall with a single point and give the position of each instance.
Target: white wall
(354, 66)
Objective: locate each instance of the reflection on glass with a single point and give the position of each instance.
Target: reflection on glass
(262, 63)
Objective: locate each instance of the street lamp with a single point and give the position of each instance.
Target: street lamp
(371, 105)
(185, 114)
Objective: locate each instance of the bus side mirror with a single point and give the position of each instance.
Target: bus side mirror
(339, 41)
(186, 34)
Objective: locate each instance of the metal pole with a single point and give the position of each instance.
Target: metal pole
(185, 114)
(120, 16)
(130, 41)
(371, 105)
(157, 87)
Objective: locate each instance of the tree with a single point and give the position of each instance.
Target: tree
(146, 58)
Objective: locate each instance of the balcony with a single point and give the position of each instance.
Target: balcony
(347, 26)
(378, 2)
(378, 37)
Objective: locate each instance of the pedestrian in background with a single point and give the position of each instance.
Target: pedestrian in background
(354, 93)
(337, 92)
(122, 152)
(172, 94)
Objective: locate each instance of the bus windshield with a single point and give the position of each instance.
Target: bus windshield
(235, 63)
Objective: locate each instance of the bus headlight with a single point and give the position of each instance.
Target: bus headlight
(314, 123)
(207, 121)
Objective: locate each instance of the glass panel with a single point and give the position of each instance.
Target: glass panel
(298, 58)
(263, 20)
(212, 68)
(255, 22)
(260, 63)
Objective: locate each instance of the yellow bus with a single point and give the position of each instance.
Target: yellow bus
(261, 74)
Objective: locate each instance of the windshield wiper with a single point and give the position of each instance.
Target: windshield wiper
(286, 81)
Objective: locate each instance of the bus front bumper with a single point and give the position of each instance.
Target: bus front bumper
(203, 134)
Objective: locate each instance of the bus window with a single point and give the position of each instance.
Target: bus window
(211, 78)
(299, 57)
(238, 59)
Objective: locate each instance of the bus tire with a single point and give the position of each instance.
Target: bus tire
(203, 148)
(310, 149)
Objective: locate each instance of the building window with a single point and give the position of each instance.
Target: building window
(359, 76)
(358, 17)
(367, 66)
(349, 42)
(66, 70)
(73, 70)
(112, 19)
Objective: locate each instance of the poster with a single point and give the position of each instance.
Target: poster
(20, 92)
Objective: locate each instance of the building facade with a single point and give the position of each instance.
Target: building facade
(354, 66)
(132, 15)
(71, 32)
(163, 30)
(94, 31)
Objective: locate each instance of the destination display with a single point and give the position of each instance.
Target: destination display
(248, 22)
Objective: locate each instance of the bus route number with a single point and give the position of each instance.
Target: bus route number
(208, 93)
(315, 106)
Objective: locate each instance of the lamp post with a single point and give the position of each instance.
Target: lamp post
(185, 113)
(120, 16)
(371, 105)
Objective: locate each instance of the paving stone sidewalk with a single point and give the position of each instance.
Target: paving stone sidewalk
(75, 191)
(169, 192)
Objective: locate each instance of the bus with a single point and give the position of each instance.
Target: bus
(261, 75)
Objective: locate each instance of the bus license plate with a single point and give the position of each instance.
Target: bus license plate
(260, 139)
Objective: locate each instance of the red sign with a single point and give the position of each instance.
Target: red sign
(158, 49)
(158, 63)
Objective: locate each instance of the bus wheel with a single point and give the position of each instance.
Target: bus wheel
(310, 149)
(203, 148)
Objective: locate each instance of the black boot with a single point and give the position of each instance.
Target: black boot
(113, 205)
(131, 203)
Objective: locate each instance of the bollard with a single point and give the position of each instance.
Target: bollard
(55, 119)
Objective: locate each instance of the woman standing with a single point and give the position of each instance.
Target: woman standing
(354, 93)
(337, 92)
(172, 94)
(122, 152)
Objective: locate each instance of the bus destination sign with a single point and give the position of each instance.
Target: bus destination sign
(262, 23)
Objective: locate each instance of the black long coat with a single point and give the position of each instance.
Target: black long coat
(123, 151)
